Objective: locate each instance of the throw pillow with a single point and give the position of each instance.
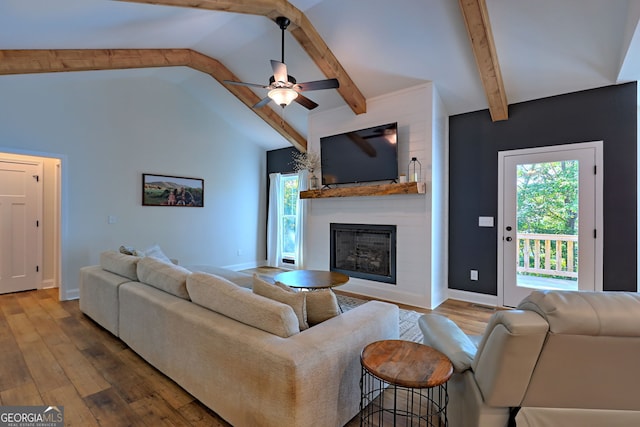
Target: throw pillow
(127, 250)
(321, 305)
(285, 287)
(295, 300)
(154, 251)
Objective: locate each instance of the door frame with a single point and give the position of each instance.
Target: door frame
(60, 228)
(38, 163)
(599, 198)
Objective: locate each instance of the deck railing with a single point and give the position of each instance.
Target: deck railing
(548, 254)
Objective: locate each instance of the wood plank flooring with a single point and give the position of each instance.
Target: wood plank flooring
(52, 354)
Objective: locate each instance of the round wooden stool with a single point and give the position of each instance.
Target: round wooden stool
(403, 383)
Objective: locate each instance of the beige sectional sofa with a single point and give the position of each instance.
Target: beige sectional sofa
(241, 354)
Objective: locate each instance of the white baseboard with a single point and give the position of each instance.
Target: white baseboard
(70, 294)
(48, 284)
(246, 265)
(484, 299)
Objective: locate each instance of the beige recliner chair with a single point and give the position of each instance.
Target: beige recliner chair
(561, 358)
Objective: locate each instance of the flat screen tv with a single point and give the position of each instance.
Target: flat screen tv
(364, 155)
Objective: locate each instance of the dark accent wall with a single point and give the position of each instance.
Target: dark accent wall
(606, 114)
(280, 160)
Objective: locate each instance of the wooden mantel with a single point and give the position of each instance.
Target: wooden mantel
(366, 190)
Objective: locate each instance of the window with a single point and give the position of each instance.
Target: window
(289, 193)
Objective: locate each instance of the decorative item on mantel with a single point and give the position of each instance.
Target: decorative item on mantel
(309, 161)
(414, 170)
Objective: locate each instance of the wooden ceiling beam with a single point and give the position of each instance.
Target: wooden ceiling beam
(59, 60)
(301, 29)
(249, 7)
(52, 61)
(476, 19)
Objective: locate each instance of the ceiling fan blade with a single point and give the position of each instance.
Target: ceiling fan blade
(230, 82)
(264, 101)
(279, 71)
(318, 85)
(305, 102)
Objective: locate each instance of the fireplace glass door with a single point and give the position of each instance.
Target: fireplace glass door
(364, 251)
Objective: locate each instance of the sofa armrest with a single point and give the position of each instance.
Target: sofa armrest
(507, 355)
(445, 336)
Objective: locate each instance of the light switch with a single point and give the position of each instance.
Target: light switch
(485, 221)
(473, 275)
(111, 219)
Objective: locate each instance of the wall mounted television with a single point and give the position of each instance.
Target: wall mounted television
(363, 155)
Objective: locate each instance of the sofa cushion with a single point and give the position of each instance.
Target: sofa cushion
(222, 296)
(165, 276)
(241, 279)
(121, 264)
(296, 300)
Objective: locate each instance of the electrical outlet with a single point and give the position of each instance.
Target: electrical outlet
(239, 252)
(473, 275)
(485, 221)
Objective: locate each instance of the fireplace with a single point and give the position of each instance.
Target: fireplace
(364, 251)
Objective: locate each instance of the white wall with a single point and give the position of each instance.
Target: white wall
(109, 132)
(440, 203)
(414, 111)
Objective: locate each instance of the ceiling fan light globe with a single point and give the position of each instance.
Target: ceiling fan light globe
(283, 96)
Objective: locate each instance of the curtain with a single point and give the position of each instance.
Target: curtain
(274, 243)
(301, 211)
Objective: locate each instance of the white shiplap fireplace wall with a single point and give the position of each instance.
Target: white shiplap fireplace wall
(421, 219)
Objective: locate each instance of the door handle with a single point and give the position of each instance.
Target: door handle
(508, 239)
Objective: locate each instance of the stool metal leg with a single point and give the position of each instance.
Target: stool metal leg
(423, 407)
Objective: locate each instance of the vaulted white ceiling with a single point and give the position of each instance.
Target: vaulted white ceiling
(544, 47)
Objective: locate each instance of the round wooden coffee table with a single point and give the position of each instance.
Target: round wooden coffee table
(403, 380)
(311, 279)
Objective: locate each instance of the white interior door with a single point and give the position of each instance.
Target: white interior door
(550, 220)
(20, 255)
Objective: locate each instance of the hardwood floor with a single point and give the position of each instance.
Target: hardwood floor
(52, 354)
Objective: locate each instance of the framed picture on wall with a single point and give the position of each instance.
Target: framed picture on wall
(166, 190)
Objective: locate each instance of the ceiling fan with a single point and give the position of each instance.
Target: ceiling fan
(283, 88)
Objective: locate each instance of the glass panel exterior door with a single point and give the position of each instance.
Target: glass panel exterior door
(548, 222)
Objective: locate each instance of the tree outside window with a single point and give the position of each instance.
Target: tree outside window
(548, 203)
(548, 197)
